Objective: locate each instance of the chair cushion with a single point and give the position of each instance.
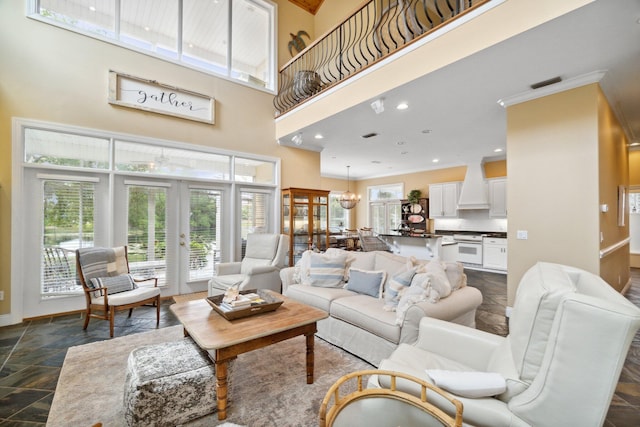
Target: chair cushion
(468, 383)
(114, 284)
(262, 246)
(128, 297)
(366, 282)
(227, 281)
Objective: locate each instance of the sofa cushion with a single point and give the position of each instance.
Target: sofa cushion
(326, 271)
(366, 282)
(316, 296)
(366, 313)
(391, 263)
(393, 289)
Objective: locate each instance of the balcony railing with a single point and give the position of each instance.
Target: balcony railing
(374, 31)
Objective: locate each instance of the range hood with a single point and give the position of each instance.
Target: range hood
(473, 194)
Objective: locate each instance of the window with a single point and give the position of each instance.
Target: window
(230, 38)
(68, 221)
(338, 216)
(384, 207)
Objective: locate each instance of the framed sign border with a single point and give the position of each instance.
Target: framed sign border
(115, 97)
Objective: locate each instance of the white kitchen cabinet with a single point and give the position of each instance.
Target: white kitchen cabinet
(498, 198)
(443, 200)
(494, 253)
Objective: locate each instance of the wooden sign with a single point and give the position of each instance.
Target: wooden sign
(149, 95)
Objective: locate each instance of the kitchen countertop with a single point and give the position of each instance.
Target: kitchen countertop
(496, 234)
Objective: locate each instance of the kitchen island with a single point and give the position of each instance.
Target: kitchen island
(426, 246)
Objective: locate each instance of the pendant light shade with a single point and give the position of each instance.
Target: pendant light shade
(348, 200)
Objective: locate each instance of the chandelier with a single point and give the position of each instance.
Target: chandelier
(348, 200)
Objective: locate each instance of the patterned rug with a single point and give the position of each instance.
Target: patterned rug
(268, 386)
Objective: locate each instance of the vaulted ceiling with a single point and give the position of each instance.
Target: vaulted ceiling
(310, 6)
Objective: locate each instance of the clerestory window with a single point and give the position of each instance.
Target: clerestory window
(234, 39)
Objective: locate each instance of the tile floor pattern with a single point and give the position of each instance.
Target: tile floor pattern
(31, 353)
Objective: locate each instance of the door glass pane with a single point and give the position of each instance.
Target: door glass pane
(68, 225)
(378, 217)
(146, 231)
(255, 207)
(204, 229)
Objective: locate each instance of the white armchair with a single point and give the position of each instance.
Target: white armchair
(260, 268)
(569, 335)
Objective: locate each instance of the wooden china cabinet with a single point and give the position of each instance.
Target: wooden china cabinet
(305, 219)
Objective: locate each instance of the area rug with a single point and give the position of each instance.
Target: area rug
(268, 386)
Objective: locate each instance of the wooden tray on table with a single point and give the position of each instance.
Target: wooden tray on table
(268, 302)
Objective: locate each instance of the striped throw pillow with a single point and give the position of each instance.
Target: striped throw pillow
(327, 272)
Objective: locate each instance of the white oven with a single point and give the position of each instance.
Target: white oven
(469, 248)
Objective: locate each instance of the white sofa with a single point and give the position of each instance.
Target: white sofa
(362, 324)
(569, 333)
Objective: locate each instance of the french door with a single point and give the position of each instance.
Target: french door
(172, 229)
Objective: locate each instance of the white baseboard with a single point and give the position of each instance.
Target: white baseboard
(507, 311)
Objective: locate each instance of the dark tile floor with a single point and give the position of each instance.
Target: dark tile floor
(31, 353)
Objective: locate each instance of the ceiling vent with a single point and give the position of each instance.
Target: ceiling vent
(369, 135)
(546, 83)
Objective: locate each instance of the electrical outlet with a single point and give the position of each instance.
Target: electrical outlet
(1, 295)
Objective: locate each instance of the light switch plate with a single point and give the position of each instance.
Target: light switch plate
(522, 235)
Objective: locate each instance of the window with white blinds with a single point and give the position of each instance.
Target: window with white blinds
(255, 219)
(68, 215)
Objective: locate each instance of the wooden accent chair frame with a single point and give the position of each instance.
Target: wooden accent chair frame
(375, 407)
(108, 286)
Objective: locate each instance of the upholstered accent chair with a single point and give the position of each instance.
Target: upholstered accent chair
(569, 334)
(109, 287)
(259, 269)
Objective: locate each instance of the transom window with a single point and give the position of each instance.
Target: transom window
(230, 38)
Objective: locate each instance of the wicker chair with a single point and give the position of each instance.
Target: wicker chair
(108, 287)
(377, 407)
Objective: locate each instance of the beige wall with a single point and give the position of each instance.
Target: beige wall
(613, 172)
(58, 76)
(553, 150)
(292, 19)
(333, 13)
(634, 167)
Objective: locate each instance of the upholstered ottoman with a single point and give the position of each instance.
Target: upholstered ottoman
(168, 384)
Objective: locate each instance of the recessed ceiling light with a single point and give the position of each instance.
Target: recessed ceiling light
(404, 152)
(426, 130)
(498, 150)
(435, 160)
(400, 143)
(318, 136)
(92, 8)
(402, 106)
(147, 28)
(376, 162)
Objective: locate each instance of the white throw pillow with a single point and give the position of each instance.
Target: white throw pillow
(439, 280)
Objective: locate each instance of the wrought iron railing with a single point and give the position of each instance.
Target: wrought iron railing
(374, 31)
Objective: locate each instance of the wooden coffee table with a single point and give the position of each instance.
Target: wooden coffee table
(226, 339)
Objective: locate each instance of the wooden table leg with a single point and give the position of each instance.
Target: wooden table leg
(310, 359)
(221, 388)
